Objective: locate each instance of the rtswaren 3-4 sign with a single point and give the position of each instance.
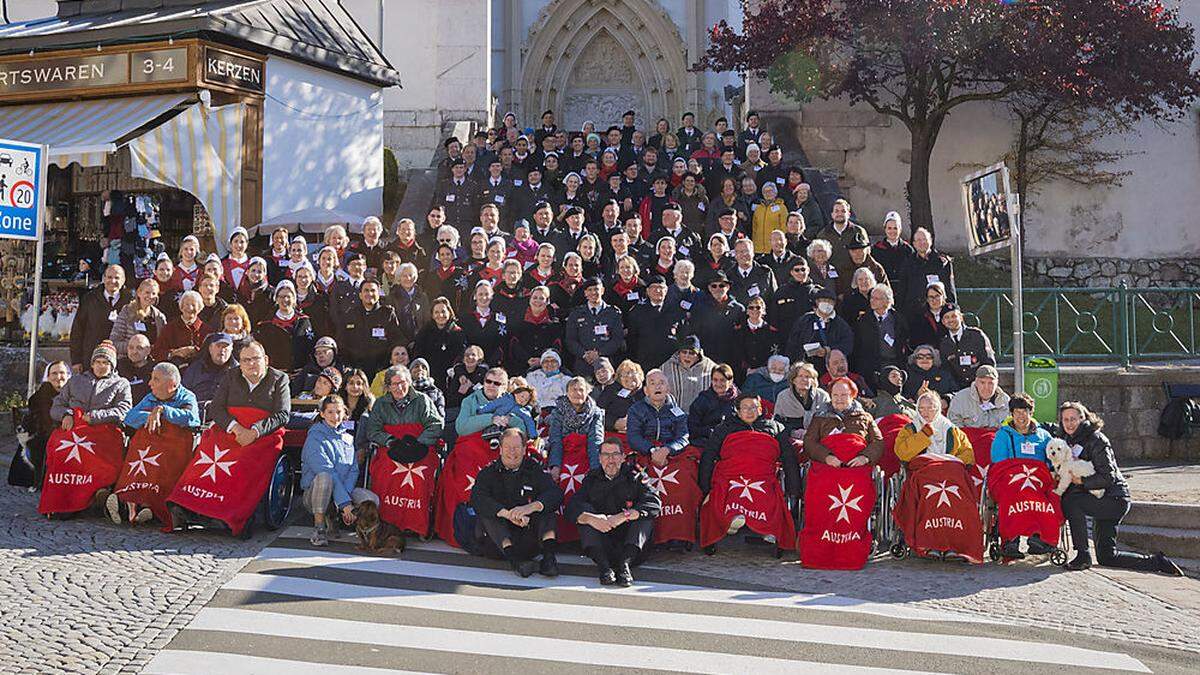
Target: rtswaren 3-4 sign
(233, 70)
(74, 72)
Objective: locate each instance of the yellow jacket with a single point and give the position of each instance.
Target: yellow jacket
(768, 216)
(910, 443)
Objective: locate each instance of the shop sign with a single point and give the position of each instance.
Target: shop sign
(160, 65)
(72, 72)
(233, 70)
(22, 175)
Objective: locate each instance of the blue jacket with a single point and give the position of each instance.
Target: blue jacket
(1010, 443)
(182, 410)
(594, 430)
(507, 405)
(759, 382)
(470, 420)
(329, 450)
(705, 414)
(647, 428)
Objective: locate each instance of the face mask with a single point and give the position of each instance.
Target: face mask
(776, 377)
(825, 307)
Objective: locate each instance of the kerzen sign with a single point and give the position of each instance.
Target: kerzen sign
(76, 72)
(233, 70)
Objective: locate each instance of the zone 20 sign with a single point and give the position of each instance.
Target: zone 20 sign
(22, 178)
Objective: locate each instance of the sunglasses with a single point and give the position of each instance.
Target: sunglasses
(718, 285)
(494, 382)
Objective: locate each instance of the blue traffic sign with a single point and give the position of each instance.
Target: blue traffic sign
(22, 178)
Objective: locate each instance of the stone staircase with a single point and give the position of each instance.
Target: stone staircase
(1171, 528)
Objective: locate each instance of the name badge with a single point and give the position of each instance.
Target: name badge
(677, 411)
(112, 316)
(701, 206)
(888, 339)
(833, 273)
(632, 295)
(518, 182)
(683, 250)
(378, 333)
(624, 393)
(931, 279)
(348, 425)
(685, 304)
(964, 360)
(781, 181)
(137, 380)
(500, 318)
(753, 291)
(139, 325)
(499, 199)
(812, 347)
(986, 406)
(1028, 449)
(600, 330)
(1076, 450)
(775, 208)
(450, 198)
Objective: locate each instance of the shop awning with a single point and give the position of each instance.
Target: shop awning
(85, 131)
(200, 151)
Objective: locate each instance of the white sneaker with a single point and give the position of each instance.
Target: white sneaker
(113, 506)
(739, 521)
(143, 516)
(770, 539)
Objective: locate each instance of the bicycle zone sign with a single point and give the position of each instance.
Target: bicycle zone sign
(22, 178)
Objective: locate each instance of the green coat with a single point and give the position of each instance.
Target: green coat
(420, 410)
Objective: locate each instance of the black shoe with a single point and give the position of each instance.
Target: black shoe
(1038, 547)
(179, 519)
(524, 568)
(1012, 550)
(624, 575)
(1166, 565)
(607, 577)
(1081, 561)
(548, 566)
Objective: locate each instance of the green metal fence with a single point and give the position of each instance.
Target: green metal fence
(1119, 324)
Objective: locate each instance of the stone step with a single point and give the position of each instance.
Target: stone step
(1162, 514)
(1174, 542)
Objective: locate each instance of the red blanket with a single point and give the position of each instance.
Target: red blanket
(837, 509)
(80, 462)
(225, 480)
(938, 509)
(891, 426)
(1024, 493)
(405, 490)
(153, 465)
(575, 466)
(469, 455)
(745, 482)
(677, 485)
(981, 443)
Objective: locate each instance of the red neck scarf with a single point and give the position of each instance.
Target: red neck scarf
(538, 319)
(622, 287)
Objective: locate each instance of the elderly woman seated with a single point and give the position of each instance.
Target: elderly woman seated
(575, 414)
(931, 432)
(768, 382)
(926, 373)
(796, 405)
(616, 398)
(548, 380)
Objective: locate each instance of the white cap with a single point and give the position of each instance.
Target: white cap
(238, 230)
(894, 215)
(551, 354)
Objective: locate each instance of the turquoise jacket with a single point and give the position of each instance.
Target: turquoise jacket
(1010, 443)
(181, 410)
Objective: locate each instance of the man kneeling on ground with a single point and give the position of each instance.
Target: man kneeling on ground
(615, 508)
(516, 502)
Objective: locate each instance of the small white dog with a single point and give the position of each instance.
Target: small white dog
(1066, 466)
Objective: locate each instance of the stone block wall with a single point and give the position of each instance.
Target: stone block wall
(1129, 400)
(1104, 272)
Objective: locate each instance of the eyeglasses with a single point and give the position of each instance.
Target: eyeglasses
(497, 383)
(921, 357)
(611, 454)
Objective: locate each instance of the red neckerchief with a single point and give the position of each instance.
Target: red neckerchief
(245, 292)
(569, 285)
(231, 264)
(491, 274)
(662, 270)
(503, 289)
(402, 244)
(445, 274)
(189, 276)
(622, 287)
(539, 319)
(538, 275)
(480, 318)
(285, 324)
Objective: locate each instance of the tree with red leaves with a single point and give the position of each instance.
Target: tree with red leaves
(918, 60)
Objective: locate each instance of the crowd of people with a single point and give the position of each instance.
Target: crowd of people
(663, 296)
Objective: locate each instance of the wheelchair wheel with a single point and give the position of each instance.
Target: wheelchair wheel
(1058, 557)
(899, 551)
(276, 504)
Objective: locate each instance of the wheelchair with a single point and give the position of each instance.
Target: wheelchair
(884, 533)
(1058, 555)
(899, 549)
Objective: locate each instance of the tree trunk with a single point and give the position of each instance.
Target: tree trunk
(920, 205)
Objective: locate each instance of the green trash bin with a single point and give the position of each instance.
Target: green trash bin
(1041, 382)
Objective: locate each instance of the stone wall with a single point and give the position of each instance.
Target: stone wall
(1104, 272)
(1130, 401)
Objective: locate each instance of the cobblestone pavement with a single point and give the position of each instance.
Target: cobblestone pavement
(84, 596)
(1149, 609)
